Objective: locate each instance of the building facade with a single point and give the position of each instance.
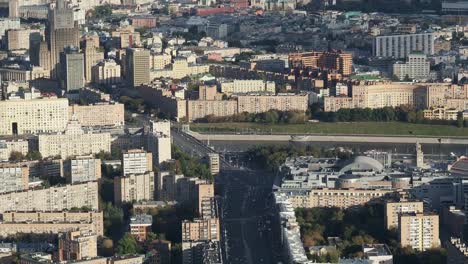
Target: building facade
(419, 231)
(400, 46)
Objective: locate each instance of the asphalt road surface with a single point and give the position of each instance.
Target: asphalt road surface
(248, 232)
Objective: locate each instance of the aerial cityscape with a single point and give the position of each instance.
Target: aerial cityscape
(234, 131)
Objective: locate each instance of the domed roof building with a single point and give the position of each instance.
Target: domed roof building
(361, 164)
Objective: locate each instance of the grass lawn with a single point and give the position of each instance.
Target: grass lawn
(369, 128)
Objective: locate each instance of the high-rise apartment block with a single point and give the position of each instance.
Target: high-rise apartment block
(13, 177)
(72, 69)
(82, 169)
(74, 141)
(77, 245)
(159, 141)
(247, 86)
(136, 161)
(400, 46)
(394, 209)
(33, 113)
(419, 231)
(56, 198)
(46, 222)
(134, 187)
(417, 67)
(138, 70)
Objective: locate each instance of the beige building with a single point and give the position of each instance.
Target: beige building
(248, 86)
(126, 37)
(419, 231)
(394, 209)
(74, 141)
(341, 198)
(160, 61)
(91, 57)
(93, 96)
(158, 142)
(82, 169)
(13, 177)
(441, 113)
(417, 67)
(7, 146)
(197, 109)
(134, 187)
(18, 39)
(136, 161)
(32, 114)
(99, 115)
(180, 69)
(379, 96)
(264, 103)
(77, 245)
(56, 198)
(106, 72)
(200, 229)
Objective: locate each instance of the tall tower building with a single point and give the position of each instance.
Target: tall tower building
(13, 6)
(62, 31)
(138, 71)
(72, 69)
(90, 57)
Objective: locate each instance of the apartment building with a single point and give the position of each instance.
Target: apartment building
(197, 109)
(335, 60)
(74, 141)
(56, 198)
(341, 198)
(136, 161)
(280, 102)
(18, 39)
(9, 145)
(166, 185)
(158, 142)
(140, 226)
(106, 72)
(82, 169)
(46, 222)
(200, 229)
(13, 177)
(379, 96)
(247, 86)
(419, 231)
(179, 69)
(417, 67)
(77, 245)
(160, 61)
(99, 115)
(394, 209)
(93, 96)
(134, 187)
(126, 37)
(33, 113)
(400, 46)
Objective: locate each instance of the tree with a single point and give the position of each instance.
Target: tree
(16, 156)
(127, 245)
(102, 11)
(34, 155)
(460, 119)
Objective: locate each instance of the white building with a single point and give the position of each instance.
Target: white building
(106, 72)
(247, 86)
(400, 46)
(136, 161)
(74, 141)
(417, 67)
(83, 169)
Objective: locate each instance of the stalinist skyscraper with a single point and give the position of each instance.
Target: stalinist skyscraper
(62, 31)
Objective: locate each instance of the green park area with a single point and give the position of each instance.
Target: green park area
(325, 128)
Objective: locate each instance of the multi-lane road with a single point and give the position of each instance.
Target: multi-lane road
(246, 215)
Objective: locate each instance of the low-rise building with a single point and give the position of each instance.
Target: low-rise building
(140, 226)
(77, 245)
(377, 254)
